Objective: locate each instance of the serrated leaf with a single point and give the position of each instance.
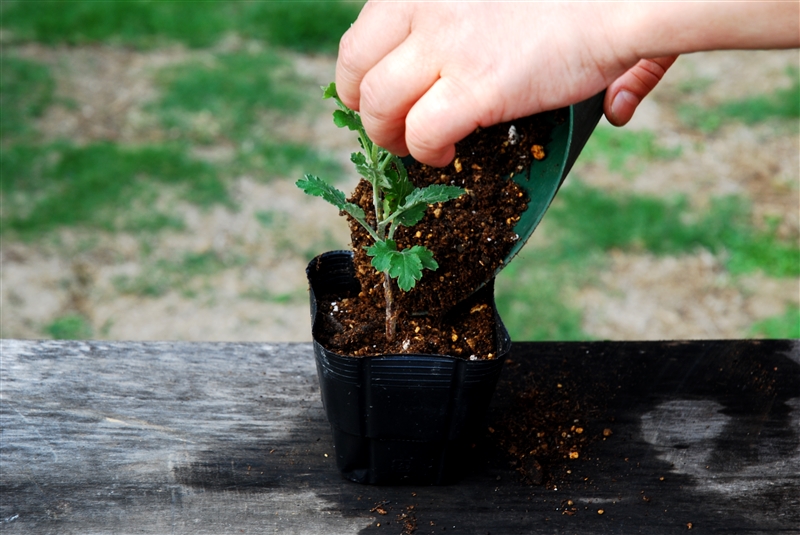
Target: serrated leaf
(407, 269)
(358, 158)
(413, 208)
(406, 266)
(433, 194)
(381, 253)
(356, 211)
(329, 91)
(348, 119)
(360, 162)
(365, 172)
(401, 168)
(411, 216)
(398, 188)
(425, 256)
(313, 185)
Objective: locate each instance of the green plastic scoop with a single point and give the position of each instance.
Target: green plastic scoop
(543, 178)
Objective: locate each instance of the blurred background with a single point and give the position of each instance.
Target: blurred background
(148, 153)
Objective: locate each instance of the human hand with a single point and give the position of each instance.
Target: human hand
(433, 72)
(626, 92)
(424, 75)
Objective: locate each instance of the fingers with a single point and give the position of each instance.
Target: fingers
(355, 58)
(626, 93)
(445, 114)
(391, 88)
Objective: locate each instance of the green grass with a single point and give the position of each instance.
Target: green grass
(623, 150)
(287, 160)
(26, 89)
(584, 224)
(268, 296)
(312, 26)
(532, 292)
(165, 274)
(783, 104)
(786, 325)
(305, 26)
(232, 90)
(279, 225)
(590, 219)
(69, 327)
(231, 97)
(237, 98)
(116, 187)
(97, 185)
(695, 85)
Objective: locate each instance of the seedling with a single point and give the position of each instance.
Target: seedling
(397, 202)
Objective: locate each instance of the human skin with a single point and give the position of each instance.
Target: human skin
(425, 75)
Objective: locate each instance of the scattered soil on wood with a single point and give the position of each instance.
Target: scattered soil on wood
(468, 236)
(550, 425)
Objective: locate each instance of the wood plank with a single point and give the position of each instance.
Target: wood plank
(102, 437)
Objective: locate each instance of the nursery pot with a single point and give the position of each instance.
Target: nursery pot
(408, 418)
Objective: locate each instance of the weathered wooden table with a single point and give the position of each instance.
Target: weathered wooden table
(106, 437)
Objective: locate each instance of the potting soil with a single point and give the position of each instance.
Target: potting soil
(469, 238)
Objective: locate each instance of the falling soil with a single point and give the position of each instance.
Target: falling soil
(469, 238)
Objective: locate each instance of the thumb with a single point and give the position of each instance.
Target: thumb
(626, 92)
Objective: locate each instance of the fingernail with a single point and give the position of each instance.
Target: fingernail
(624, 105)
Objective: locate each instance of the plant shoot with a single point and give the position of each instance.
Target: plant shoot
(397, 202)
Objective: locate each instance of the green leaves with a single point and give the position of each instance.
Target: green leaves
(397, 201)
(434, 194)
(367, 171)
(406, 266)
(398, 186)
(350, 120)
(344, 117)
(414, 205)
(329, 91)
(317, 187)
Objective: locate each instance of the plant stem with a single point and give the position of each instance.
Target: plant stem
(376, 202)
(378, 167)
(391, 320)
(386, 161)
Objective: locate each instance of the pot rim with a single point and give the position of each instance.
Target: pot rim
(503, 338)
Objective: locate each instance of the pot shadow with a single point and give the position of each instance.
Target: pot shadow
(703, 435)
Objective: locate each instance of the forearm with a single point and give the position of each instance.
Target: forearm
(669, 28)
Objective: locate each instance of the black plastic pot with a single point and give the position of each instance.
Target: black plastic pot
(399, 418)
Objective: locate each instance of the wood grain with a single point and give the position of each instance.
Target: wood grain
(107, 437)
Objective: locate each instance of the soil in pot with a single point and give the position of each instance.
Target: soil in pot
(469, 237)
